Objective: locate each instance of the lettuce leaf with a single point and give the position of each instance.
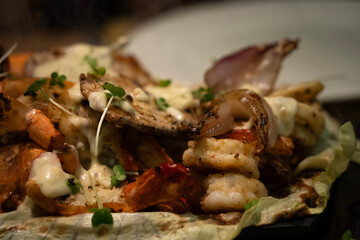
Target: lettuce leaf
(163, 225)
(338, 164)
(334, 160)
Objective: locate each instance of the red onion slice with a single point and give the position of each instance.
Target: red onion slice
(241, 104)
(218, 120)
(255, 65)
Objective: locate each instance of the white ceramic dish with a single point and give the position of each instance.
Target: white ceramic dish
(182, 44)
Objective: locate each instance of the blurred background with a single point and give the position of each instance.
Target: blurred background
(40, 24)
(181, 38)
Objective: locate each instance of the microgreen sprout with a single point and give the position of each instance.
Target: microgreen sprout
(118, 176)
(115, 93)
(74, 109)
(347, 235)
(95, 70)
(204, 94)
(161, 103)
(250, 204)
(164, 82)
(38, 86)
(74, 184)
(57, 80)
(101, 215)
(8, 52)
(5, 55)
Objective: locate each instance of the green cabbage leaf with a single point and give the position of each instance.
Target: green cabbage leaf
(333, 158)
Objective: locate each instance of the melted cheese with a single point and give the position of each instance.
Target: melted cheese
(46, 171)
(78, 122)
(176, 96)
(98, 174)
(83, 124)
(284, 109)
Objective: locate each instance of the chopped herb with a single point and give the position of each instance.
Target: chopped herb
(347, 235)
(118, 176)
(93, 65)
(164, 82)
(204, 94)
(250, 204)
(101, 71)
(114, 91)
(74, 109)
(208, 96)
(35, 86)
(197, 93)
(161, 103)
(57, 80)
(101, 216)
(74, 184)
(91, 61)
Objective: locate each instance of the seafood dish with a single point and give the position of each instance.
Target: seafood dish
(92, 145)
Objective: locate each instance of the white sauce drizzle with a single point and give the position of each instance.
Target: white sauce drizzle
(125, 106)
(252, 87)
(176, 96)
(101, 175)
(75, 93)
(139, 95)
(98, 173)
(72, 64)
(83, 125)
(98, 100)
(175, 113)
(46, 171)
(284, 109)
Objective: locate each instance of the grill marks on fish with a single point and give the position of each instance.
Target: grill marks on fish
(147, 117)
